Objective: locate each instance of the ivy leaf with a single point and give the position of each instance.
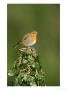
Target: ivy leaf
(30, 78)
(16, 82)
(33, 65)
(25, 77)
(24, 61)
(10, 73)
(33, 83)
(37, 65)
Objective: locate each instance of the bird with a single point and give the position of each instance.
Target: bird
(29, 39)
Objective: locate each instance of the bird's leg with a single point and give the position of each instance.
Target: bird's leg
(31, 48)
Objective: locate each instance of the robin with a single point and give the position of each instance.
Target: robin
(29, 39)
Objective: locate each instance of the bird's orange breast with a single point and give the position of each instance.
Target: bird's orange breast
(34, 36)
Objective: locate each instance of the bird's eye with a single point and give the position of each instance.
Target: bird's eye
(33, 33)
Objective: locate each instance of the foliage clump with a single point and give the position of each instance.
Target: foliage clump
(26, 70)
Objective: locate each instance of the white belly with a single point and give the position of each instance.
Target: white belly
(30, 43)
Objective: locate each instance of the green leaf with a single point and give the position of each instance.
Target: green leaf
(16, 82)
(33, 65)
(37, 65)
(25, 77)
(30, 78)
(10, 73)
(24, 61)
(33, 83)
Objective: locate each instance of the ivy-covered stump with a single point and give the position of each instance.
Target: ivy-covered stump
(26, 70)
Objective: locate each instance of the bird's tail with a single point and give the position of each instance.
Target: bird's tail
(16, 45)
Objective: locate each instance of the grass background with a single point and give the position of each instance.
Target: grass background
(45, 19)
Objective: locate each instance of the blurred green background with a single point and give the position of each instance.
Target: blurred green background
(45, 19)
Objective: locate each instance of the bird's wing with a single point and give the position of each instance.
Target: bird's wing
(26, 37)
